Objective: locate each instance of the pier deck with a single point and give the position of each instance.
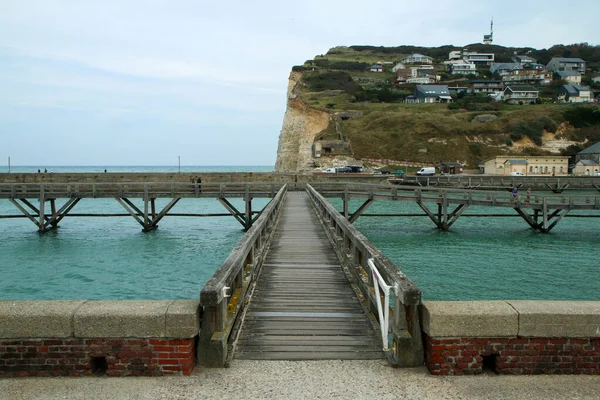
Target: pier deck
(303, 307)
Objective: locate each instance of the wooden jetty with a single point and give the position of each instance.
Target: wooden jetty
(556, 184)
(541, 212)
(303, 307)
(32, 199)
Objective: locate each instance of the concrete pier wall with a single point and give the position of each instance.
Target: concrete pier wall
(82, 338)
(206, 177)
(512, 337)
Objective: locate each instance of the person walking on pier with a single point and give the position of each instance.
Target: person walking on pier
(515, 193)
(528, 199)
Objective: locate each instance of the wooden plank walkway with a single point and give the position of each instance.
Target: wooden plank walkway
(303, 307)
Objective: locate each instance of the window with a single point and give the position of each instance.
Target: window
(561, 170)
(531, 169)
(546, 169)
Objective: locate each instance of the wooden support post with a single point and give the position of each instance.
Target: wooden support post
(248, 201)
(53, 221)
(212, 347)
(346, 201)
(408, 344)
(444, 220)
(545, 215)
(41, 224)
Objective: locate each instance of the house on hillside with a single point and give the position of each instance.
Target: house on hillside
(558, 64)
(572, 77)
(521, 94)
(417, 59)
(462, 68)
(523, 59)
(575, 94)
(505, 68)
(421, 80)
(486, 86)
(478, 58)
(432, 94)
(527, 165)
(470, 57)
(398, 67)
(529, 74)
(596, 78)
(376, 68)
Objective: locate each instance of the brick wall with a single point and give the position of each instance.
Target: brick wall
(465, 356)
(110, 356)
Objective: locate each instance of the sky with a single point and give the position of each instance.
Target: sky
(152, 82)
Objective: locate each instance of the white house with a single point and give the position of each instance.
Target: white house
(462, 68)
(376, 68)
(417, 59)
(573, 77)
(521, 94)
(575, 94)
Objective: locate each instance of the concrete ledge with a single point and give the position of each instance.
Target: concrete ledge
(47, 319)
(183, 319)
(564, 319)
(99, 319)
(461, 319)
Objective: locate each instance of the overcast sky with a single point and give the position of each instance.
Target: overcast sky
(128, 82)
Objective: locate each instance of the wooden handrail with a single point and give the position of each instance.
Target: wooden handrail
(354, 250)
(223, 297)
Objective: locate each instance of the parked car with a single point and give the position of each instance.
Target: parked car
(398, 172)
(516, 174)
(330, 171)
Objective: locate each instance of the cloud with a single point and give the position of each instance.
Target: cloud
(195, 70)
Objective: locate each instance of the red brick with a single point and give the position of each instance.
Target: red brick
(164, 348)
(167, 361)
(178, 342)
(181, 355)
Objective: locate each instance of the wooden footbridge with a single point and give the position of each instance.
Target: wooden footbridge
(304, 284)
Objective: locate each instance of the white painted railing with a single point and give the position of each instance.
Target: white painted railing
(383, 312)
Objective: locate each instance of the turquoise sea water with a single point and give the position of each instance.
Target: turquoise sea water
(110, 258)
(489, 258)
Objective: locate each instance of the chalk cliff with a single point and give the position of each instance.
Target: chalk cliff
(301, 124)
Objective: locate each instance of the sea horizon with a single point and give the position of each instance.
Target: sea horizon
(14, 169)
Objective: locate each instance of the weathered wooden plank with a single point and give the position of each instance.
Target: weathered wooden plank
(303, 307)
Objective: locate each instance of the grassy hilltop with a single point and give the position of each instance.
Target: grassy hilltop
(388, 128)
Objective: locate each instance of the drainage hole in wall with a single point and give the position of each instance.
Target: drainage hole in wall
(489, 363)
(99, 365)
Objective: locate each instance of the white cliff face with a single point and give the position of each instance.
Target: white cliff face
(301, 124)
